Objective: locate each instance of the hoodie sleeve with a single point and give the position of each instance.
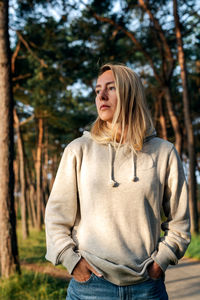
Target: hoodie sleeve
(175, 205)
(60, 214)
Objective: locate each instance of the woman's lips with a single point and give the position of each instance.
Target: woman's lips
(102, 107)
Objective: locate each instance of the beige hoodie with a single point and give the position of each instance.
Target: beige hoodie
(107, 208)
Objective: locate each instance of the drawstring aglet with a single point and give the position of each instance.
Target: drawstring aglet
(135, 179)
(113, 183)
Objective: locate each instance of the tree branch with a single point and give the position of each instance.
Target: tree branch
(133, 39)
(14, 56)
(41, 61)
(21, 77)
(145, 6)
(16, 119)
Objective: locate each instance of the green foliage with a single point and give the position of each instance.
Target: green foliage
(32, 249)
(193, 250)
(69, 48)
(51, 65)
(32, 286)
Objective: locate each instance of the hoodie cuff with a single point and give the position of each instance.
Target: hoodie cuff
(164, 256)
(69, 260)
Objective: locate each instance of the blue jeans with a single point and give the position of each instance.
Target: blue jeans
(96, 288)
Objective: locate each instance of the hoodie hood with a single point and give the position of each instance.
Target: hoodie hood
(150, 134)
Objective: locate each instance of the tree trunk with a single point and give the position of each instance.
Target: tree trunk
(9, 262)
(173, 118)
(188, 123)
(54, 167)
(32, 200)
(31, 194)
(45, 181)
(155, 117)
(38, 173)
(30, 215)
(16, 187)
(23, 199)
(31, 190)
(162, 118)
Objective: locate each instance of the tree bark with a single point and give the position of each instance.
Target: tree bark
(45, 181)
(155, 118)
(23, 185)
(173, 118)
(188, 123)
(30, 215)
(38, 174)
(162, 118)
(9, 262)
(32, 192)
(16, 187)
(54, 167)
(32, 200)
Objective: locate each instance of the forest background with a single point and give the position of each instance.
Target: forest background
(57, 48)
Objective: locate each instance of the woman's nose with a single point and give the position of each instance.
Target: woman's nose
(103, 95)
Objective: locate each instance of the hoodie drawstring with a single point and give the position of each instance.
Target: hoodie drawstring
(134, 167)
(112, 180)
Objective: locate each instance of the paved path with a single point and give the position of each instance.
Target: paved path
(183, 280)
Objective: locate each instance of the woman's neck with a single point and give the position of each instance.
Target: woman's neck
(119, 132)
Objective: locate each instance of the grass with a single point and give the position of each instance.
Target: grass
(193, 250)
(37, 286)
(32, 286)
(32, 249)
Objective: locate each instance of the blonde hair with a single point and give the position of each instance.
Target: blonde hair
(131, 116)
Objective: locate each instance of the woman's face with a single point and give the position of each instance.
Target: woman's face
(106, 98)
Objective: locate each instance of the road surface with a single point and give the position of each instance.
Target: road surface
(183, 280)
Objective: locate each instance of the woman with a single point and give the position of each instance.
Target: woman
(103, 217)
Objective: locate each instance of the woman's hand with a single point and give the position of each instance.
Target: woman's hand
(154, 271)
(83, 270)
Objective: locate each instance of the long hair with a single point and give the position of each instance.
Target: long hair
(132, 117)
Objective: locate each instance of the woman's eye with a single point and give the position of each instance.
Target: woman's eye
(97, 92)
(112, 88)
